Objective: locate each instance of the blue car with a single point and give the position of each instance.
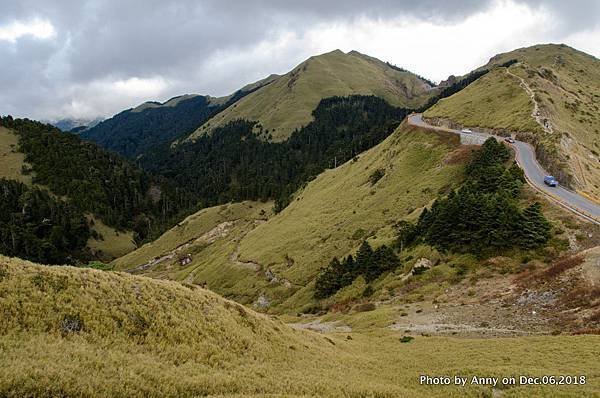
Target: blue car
(550, 181)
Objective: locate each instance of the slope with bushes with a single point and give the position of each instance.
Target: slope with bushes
(363, 198)
(90, 181)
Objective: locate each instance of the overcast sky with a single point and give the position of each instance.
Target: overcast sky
(89, 58)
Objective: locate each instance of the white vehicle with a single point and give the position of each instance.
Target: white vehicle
(466, 131)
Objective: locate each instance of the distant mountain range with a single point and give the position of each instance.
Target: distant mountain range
(76, 125)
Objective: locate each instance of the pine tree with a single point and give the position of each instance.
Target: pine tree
(535, 230)
(363, 258)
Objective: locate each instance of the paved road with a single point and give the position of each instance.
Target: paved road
(525, 156)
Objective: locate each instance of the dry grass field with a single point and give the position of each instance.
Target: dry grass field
(72, 332)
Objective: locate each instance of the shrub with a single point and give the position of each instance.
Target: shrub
(406, 339)
(561, 265)
(364, 307)
(376, 176)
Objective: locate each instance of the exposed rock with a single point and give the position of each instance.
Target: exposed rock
(262, 302)
(423, 262)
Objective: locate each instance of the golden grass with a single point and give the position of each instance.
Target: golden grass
(11, 161)
(287, 103)
(144, 337)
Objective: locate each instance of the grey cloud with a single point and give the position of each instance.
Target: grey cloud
(102, 39)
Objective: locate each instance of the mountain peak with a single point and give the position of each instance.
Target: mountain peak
(288, 102)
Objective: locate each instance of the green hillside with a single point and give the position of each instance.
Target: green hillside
(319, 223)
(287, 103)
(74, 332)
(552, 94)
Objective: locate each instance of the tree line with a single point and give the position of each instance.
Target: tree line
(96, 181)
(132, 133)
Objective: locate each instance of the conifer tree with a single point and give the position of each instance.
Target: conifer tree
(535, 229)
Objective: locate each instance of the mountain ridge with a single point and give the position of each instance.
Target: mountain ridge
(286, 104)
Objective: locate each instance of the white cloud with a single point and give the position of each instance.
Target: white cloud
(436, 51)
(104, 97)
(38, 28)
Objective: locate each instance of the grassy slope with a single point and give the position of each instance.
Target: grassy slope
(115, 244)
(210, 236)
(332, 215)
(319, 224)
(11, 161)
(143, 337)
(191, 228)
(566, 83)
(494, 101)
(287, 103)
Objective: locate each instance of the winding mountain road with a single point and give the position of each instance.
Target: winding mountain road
(534, 173)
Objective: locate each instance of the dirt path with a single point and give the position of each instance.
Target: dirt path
(222, 231)
(536, 114)
(219, 231)
(322, 327)
(234, 257)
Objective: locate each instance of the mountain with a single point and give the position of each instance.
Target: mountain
(273, 261)
(359, 250)
(237, 162)
(548, 94)
(152, 125)
(288, 102)
(75, 125)
(60, 191)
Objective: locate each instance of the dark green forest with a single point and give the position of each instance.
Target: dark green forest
(134, 133)
(236, 163)
(97, 181)
(37, 227)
